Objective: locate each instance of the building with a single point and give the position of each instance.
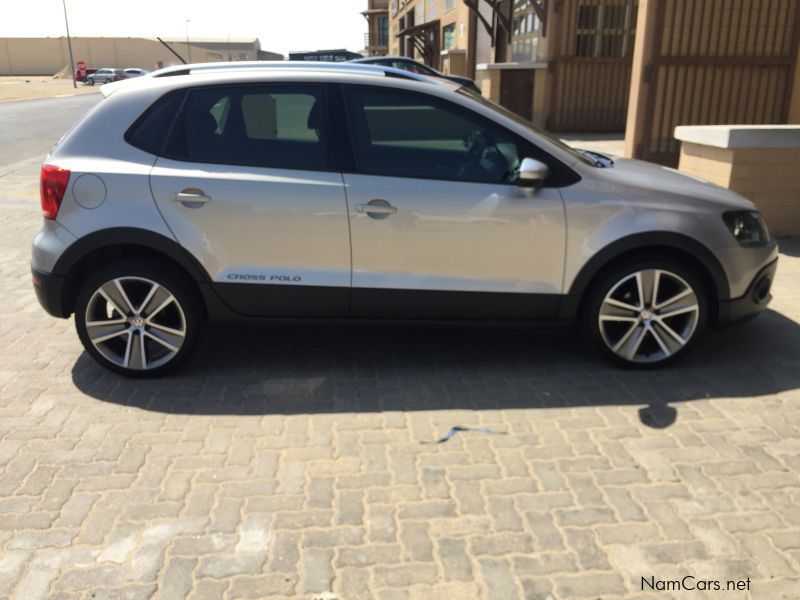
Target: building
(376, 40)
(565, 64)
(640, 66)
(440, 33)
(47, 56)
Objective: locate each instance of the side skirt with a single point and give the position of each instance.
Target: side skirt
(276, 302)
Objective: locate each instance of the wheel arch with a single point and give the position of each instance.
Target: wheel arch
(683, 248)
(107, 246)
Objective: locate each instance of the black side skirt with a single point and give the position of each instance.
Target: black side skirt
(291, 301)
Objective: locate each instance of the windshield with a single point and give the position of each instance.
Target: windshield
(529, 126)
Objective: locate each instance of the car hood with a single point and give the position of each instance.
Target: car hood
(662, 180)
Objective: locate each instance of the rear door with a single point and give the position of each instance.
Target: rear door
(245, 187)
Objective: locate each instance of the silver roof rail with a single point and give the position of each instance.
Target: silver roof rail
(337, 67)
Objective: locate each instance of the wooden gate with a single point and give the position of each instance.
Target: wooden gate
(590, 64)
(717, 62)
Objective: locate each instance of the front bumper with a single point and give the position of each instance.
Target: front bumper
(753, 302)
(49, 290)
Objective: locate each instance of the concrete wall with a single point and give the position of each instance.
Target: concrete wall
(758, 169)
(47, 56)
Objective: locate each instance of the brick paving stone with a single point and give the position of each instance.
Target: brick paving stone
(295, 468)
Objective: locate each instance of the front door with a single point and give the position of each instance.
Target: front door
(439, 226)
(245, 188)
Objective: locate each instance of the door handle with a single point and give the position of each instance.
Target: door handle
(191, 196)
(376, 208)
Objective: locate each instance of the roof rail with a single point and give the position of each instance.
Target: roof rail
(339, 67)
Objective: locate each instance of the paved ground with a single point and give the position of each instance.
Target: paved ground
(294, 462)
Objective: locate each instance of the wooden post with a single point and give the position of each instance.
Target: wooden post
(642, 82)
(793, 110)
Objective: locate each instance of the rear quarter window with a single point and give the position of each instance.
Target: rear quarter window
(149, 131)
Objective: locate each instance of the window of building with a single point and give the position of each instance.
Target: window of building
(449, 5)
(433, 9)
(274, 126)
(400, 134)
(383, 31)
(449, 36)
(605, 30)
(525, 33)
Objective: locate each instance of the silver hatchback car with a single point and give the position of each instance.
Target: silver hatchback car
(370, 193)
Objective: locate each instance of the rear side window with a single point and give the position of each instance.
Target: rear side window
(150, 131)
(274, 126)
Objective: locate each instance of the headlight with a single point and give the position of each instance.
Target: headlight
(747, 227)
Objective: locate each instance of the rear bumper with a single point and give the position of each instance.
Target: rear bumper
(753, 302)
(49, 290)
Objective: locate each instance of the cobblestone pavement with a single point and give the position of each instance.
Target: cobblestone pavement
(291, 462)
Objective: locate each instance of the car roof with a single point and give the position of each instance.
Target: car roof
(224, 72)
(266, 65)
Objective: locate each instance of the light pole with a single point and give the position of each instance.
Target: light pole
(69, 45)
(188, 47)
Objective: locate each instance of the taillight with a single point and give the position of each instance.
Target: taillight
(53, 185)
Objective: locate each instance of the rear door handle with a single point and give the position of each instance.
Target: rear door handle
(191, 196)
(377, 208)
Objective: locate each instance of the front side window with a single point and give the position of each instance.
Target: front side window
(276, 126)
(404, 134)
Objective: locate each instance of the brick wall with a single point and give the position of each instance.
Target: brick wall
(770, 177)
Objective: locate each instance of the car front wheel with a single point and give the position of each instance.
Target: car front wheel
(646, 313)
(137, 320)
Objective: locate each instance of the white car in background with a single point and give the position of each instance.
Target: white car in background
(135, 72)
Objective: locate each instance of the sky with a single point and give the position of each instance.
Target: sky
(281, 25)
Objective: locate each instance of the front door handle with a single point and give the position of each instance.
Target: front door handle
(377, 209)
(191, 196)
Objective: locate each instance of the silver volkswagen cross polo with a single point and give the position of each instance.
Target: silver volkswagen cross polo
(362, 192)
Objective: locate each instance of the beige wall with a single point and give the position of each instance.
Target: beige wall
(47, 56)
(766, 176)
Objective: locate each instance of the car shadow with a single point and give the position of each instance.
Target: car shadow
(282, 370)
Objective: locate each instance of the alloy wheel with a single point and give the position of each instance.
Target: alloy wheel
(135, 323)
(649, 316)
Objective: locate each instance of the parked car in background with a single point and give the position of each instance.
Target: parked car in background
(340, 55)
(135, 72)
(105, 75)
(407, 64)
(82, 75)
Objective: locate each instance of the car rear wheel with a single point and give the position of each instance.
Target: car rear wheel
(646, 313)
(137, 320)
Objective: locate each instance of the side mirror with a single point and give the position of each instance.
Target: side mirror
(532, 171)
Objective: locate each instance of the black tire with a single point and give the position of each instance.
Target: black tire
(184, 314)
(90, 81)
(673, 274)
